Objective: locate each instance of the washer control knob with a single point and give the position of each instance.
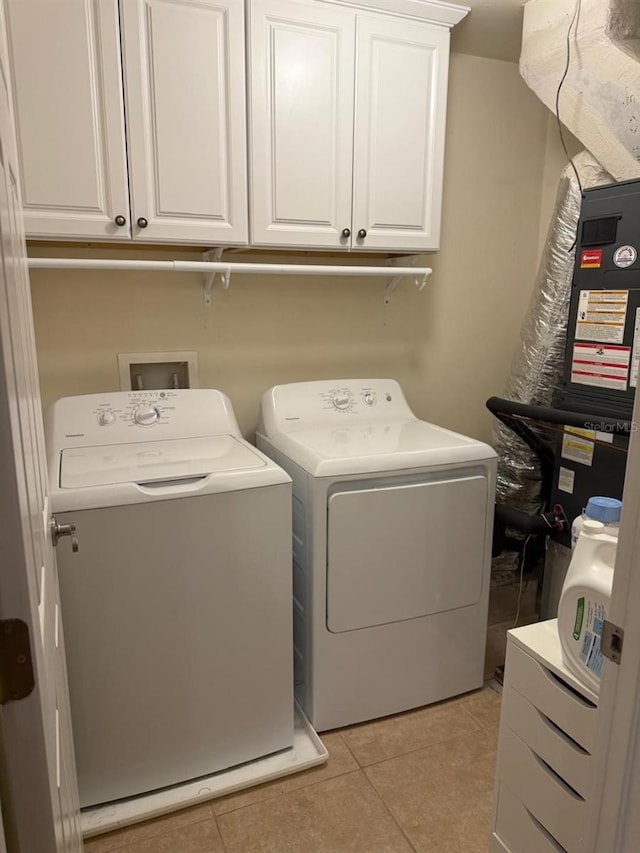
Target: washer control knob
(106, 417)
(369, 399)
(341, 402)
(145, 415)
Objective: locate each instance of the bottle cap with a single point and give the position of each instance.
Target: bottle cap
(606, 510)
(591, 526)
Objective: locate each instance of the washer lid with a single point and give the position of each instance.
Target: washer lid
(151, 461)
(378, 446)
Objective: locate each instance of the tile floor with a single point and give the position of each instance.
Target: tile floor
(421, 781)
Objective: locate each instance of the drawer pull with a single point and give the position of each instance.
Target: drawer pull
(545, 832)
(551, 772)
(573, 744)
(556, 680)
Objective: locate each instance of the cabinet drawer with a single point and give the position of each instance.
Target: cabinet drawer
(517, 830)
(576, 716)
(560, 810)
(565, 756)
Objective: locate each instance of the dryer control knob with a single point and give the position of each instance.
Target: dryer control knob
(146, 415)
(341, 402)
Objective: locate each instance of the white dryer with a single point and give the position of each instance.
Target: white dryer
(392, 526)
(177, 606)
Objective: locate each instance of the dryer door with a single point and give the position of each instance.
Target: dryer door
(406, 551)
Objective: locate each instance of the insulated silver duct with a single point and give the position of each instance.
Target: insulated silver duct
(536, 370)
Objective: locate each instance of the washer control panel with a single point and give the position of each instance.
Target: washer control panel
(125, 416)
(324, 403)
(137, 408)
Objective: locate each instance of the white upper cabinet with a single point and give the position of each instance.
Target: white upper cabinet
(65, 65)
(132, 120)
(181, 177)
(302, 58)
(398, 160)
(185, 97)
(348, 114)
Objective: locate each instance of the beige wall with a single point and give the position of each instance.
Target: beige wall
(450, 346)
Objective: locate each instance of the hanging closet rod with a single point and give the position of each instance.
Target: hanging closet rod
(225, 267)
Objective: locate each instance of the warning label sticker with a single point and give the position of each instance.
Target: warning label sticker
(566, 479)
(578, 445)
(601, 365)
(602, 315)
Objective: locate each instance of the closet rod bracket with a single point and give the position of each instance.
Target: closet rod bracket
(215, 256)
(419, 280)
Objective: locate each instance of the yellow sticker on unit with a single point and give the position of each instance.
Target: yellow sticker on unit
(602, 315)
(577, 446)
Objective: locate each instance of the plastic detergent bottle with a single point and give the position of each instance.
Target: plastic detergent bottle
(606, 510)
(584, 602)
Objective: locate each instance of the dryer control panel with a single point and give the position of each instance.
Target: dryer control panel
(131, 416)
(327, 403)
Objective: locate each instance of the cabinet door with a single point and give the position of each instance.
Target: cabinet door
(401, 85)
(186, 126)
(301, 95)
(66, 70)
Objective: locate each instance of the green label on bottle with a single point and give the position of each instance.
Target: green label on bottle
(577, 628)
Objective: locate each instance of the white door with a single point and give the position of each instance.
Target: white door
(37, 782)
(401, 84)
(614, 824)
(186, 126)
(67, 82)
(301, 109)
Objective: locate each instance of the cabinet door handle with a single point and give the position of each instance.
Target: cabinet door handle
(362, 234)
(120, 221)
(142, 222)
(346, 232)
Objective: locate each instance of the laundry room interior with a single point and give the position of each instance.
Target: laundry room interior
(362, 507)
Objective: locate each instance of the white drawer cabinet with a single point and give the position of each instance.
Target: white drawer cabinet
(178, 173)
(347, 114)
(547, 737)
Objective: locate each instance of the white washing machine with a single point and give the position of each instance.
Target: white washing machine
(177, 606)
(392, 526)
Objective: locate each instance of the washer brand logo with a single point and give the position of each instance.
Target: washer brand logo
(74, 435)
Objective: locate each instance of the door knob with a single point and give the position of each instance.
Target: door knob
(120, 220)
(362, 234)
(59, 530)
(346, 232)
(142, 222)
